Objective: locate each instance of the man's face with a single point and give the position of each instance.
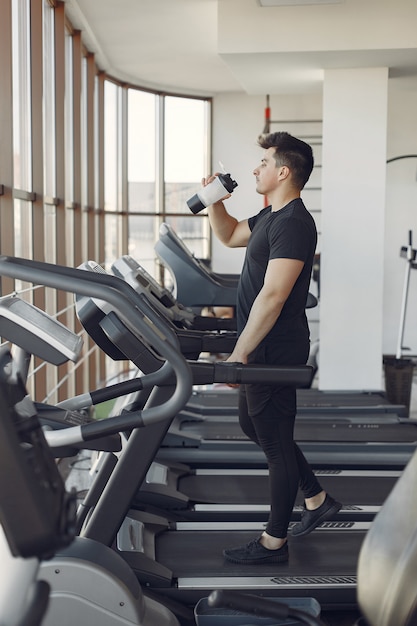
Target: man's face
(267, 173)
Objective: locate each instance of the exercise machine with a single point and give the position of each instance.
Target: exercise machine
(207, 402)
(195, 285)
(330, 440)
(242, 494)
(181, 561)
(196, 494)
(132, 272)
(192, 342)
(204, 493)
(88, 581)
(185, 562)
(34, 333)
(37, 515)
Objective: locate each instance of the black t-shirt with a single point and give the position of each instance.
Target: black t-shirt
(289, 233)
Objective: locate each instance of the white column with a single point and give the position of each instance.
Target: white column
(352, 242)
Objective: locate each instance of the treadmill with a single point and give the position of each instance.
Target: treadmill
(34, 333)
(350, 442)
(324, 562)
(182, 561)
(192, 342)
(323, 565)
(329, 441)
(172, 385)
(181, 493)
(195, 493)
(208, 402)
(135, 275)
(198, 286)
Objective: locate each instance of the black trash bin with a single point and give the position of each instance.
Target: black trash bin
(398, 380)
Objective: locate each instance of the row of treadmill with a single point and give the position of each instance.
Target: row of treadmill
(177, 481)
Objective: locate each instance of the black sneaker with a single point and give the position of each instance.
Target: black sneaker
(311, 519)
(254, 552)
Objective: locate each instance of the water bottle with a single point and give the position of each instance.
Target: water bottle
(214, 191)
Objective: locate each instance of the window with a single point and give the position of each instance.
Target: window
(22, 144)
(97, 166)
(185, 163)
(168, 154)
(112, 171)
(141, 176)
(49, 129)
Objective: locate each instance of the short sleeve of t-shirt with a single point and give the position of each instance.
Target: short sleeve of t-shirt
(289, 234)
(289, 238)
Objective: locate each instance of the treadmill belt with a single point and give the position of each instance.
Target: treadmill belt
(253, 489)
(393, 433)
(324, 553)
(214, 399)
(317, 431)
(316, 397)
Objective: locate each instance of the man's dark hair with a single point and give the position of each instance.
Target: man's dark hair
(296, 154)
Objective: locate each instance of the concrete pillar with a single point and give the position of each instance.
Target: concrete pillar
(352, 242)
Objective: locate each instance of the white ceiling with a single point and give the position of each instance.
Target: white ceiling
(204, 47)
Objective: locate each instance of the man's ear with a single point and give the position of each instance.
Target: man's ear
(283, 172)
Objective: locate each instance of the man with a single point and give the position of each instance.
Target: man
(273, 329)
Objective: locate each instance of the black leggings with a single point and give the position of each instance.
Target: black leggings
(266, 416)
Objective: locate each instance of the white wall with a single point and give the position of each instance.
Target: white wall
(401, 211)
(237, 121)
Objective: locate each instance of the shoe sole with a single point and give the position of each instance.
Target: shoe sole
(325, 516)
(267, 559)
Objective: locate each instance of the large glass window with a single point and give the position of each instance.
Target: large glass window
(69, 120)
(97, 166)
(186, 152)
(112, 171)
(23, 228)
(50, 233)
(111, 145)
(49, 130)
(84, 134)
(141, 176)
(168, 154)
(22, 144)
(21, 95)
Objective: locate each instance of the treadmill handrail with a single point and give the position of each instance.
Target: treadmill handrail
(245, 373)
(221, 372)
